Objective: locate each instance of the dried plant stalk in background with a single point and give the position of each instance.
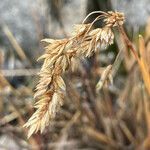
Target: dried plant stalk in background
(59, 56)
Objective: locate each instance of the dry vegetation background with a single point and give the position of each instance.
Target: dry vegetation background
(115, 117)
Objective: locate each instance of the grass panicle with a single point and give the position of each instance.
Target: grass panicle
(59, 56)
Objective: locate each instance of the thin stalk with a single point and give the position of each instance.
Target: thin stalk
(128, 42)
(95, 12)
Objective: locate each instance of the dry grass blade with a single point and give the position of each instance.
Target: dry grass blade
(144, 66)
(102, 138)
(20, 72)
(14, 43)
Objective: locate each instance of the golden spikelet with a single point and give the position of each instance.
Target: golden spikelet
(104, 77)
(59, 56)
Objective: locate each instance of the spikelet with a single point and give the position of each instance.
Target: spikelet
(114, 19)
(104, 77)
(60, 55)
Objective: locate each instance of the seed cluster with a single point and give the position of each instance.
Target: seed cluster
(60, 55)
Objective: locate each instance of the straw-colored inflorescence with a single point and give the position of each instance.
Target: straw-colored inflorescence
(61, 55)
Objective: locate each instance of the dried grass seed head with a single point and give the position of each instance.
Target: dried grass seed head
(59, 56)
(114, 19)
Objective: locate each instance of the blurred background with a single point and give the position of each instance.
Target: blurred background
(115, 118)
